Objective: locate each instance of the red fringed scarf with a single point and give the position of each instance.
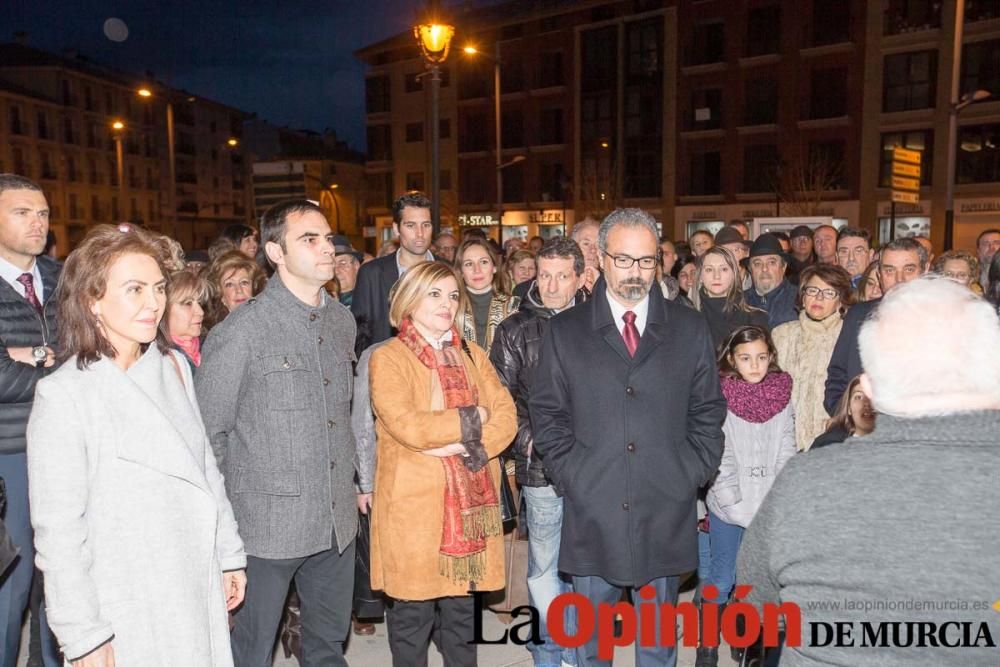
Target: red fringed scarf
(471, 505)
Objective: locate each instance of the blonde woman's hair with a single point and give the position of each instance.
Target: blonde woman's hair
(413, 286)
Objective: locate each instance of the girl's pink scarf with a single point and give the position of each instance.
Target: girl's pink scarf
(759, 402)
(191, 347)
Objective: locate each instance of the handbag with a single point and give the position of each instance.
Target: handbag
(508, 505)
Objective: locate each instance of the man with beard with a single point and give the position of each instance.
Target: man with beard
(626, 415)
(556, 287)
(770, 291)
(854, 252)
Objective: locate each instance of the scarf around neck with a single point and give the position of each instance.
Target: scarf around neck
(471, 503)
(757, 403)
(191, 347)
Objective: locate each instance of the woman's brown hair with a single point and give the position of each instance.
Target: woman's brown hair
(84, 281)
(222, 266)
(842, 413)
(501, 279)
(742, 336)
(181, 285)
(833, 275)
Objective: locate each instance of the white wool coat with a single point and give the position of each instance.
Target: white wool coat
(133, 529)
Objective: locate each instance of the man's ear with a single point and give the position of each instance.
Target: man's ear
(274, 253)
(866, 385)
(395, 229)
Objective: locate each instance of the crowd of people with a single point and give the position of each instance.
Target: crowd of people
(198, 433)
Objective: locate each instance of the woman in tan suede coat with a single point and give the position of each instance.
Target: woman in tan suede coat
(442, 418)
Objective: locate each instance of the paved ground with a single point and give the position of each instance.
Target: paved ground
(373, 651)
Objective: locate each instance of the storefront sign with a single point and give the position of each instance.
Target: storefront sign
(979, 206)
(905, 209)
(704, 215)
(477, 219)
(554, 217)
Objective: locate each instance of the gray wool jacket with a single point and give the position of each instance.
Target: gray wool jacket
(275, 387)
(898, 526)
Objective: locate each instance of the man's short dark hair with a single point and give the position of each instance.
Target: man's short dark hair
(978, 238)
(272, 223)
(562, 247)
(907, 245)
(854, 233)
(412, 199)
(15, 182)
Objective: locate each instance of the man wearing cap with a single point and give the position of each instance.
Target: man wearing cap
(770, 291)
(802, 246)
(729, 237)
(346, 264)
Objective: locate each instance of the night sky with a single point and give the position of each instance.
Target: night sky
(290, 62)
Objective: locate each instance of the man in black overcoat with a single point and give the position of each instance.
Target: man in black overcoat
(627, 416)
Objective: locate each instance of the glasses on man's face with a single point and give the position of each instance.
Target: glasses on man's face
(859, 251)
(818, 292)
(626, 262)
(956, 275)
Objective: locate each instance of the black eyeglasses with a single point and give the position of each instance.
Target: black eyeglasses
(626, 262)
(814, 292)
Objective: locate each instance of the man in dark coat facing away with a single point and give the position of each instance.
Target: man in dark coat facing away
(627, 417)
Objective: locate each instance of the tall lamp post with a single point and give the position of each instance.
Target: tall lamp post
(497, 118)
(146, 93)
(119, 128)
(957, 103)
(435, 40)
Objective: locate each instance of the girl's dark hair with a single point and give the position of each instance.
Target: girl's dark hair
(742, 336)
(84, 280)
(684, 255)
(842, 413)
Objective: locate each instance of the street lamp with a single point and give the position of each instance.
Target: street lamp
(497, 118)
(119, 127)
(147, 93)
(232, 142)
(435, 40)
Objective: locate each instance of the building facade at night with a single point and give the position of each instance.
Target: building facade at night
(56, 116)
(700, 111)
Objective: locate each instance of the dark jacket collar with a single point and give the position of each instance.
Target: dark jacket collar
(651, 337)
(532, 302)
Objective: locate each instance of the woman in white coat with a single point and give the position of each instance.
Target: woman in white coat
(133, 530)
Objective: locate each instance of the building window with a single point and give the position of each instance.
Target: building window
(760, 102)
(445, 179)
(74, 207)
(379, 142)
(92, 171)
(412, 82)
(552, 181)
(831, 22)
(644, 49)
(476, 79)
(918, 140)
(513, 183)
(828, 92)
(43, 125)
(708, 44)
(414, 132)
(67, 93)
(95, 208)
(597, 121)
(643, 173)
(512, 124)
(91, 135)
(981, 67)
(759, 167)
(17, 156)
(598, 71)
(909, 81)
(415, 180)
(512, 75)
(827, 158)
(706, 175)
(911, 16)
(14, 116)
(550, 127)
(377, 94)
(473, 180)
(763, 31)
(444, 129)
(550, 69)
(47, 171)
(978, 154)
(474, 136)
(71, 172)
(548, 24)
(706, 109)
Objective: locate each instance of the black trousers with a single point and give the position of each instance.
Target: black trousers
(412, 622)
(325, 584)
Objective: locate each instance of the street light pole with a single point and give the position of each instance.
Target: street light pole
(499, 143)
(953, 109)
(435, 149)
(119, 128)
(172, 160)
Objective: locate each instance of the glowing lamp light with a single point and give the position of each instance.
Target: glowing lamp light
(144, 92)
(118, 125)
(435, 40)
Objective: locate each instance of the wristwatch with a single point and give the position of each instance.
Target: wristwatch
(39, 354)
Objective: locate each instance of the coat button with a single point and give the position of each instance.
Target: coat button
(629, 390)
(320, 340)
(312, 317)
(325, 382)
(631, 447)
(625, 506)
(287, 364)
(331, 424)
(332, 465)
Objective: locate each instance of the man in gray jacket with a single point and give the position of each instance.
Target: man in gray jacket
(275, 391)
(888, 542)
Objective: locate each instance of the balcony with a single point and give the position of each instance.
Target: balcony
(900, 20)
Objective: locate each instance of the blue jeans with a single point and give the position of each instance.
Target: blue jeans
(15, 585)
(545, 512)
(725, 541)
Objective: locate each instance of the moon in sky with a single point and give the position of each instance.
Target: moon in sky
(115, 30)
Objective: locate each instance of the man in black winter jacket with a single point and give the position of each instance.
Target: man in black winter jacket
(518, 339)
(27, 336)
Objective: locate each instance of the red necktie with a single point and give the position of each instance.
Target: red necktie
(630, 333)
(28, 281)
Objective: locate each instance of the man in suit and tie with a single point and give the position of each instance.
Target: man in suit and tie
(411, 222)
(27, 335)
(626, 414)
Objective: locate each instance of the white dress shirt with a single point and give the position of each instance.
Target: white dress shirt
(428, 257)
(640, 309)
(11, 273)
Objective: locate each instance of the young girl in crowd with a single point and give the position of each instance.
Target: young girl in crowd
(760, 438)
